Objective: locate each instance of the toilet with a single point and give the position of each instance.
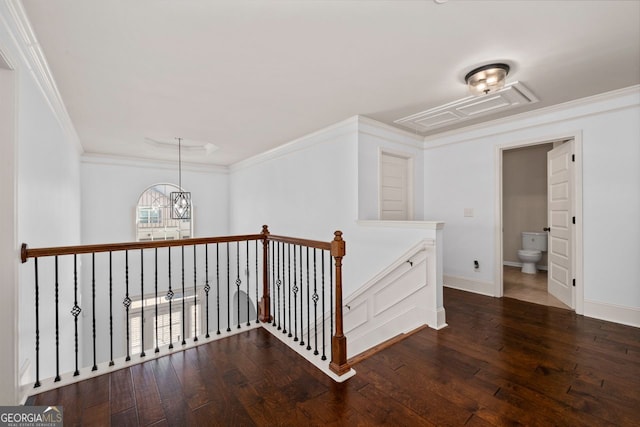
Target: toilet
(533, 244)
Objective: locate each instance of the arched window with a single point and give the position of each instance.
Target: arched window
(153, 215)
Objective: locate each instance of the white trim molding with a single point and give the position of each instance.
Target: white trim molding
(345, 127)
(519, 265)
(424, 225)
(114, 160)
(470, 285)
(578, 232)
(584, 107)
(612, 313)
(31, 52)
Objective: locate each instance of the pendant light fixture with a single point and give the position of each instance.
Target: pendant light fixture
(180, 200)
(487, 79)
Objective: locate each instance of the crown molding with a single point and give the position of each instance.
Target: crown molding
(344, 127)
(137, 162)
(20, 30)
(570, 110)
(399, 136)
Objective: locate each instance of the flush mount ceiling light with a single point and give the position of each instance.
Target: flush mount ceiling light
(487, 79)
(180, 200)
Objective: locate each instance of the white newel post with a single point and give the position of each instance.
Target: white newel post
(436, 318)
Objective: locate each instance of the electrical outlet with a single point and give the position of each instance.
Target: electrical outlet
(476, 265)
(468, 212)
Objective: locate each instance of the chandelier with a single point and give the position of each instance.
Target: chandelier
(180, 200)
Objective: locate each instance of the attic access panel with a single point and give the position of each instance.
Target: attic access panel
(511, 96)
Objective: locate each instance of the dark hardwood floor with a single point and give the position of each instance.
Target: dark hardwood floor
(500, 362)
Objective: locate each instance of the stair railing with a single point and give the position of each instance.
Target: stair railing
(296, 276)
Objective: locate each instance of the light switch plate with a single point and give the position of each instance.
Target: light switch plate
(468, 212)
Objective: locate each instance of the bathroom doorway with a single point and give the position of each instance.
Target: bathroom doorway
(524, 206)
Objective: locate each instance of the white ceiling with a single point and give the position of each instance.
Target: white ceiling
(248, 76)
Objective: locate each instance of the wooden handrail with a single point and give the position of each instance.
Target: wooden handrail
(336, 248)
(302, 242)
(27, 253)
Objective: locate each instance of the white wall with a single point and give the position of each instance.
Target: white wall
(48, 210)
(460, 171)
(48, 215)
(111, 188)
(47, 202)
(110, 191)
(310, 187)
(374, 137)
(8, 244)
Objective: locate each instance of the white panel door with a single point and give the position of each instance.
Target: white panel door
(394, 188)
(560, 222)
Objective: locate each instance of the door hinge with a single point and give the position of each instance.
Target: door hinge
(574, 283)
(574, 219)
(573, 157)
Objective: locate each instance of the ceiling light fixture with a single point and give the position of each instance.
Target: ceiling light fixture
(487, 79)
(180, 200)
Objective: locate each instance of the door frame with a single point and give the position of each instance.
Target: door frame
(410, 179)
(577, 237)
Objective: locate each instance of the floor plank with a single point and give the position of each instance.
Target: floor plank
(499, 362)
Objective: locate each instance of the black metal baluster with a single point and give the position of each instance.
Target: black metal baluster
(37, 384)
(301, 301)
(284, 287)
(127, 301)
(315, 303)
(111, 362)
(278, 281)
(57, 328)
(218, 285)
(289, 285)
(308, 305)
(195, 297)
(142, 354)
(238, 281)
(228, 292)
(170, 295)
(157, 350)
(93, 307)
(184, 297)
(75, 311)
(248, 291)
(273, 282)
(207, 287)
(295, 297)
(257, 284)
(324, 355)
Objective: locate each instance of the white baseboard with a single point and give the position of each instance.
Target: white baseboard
(315, 360)
(519, 265)
(612, 313)
(469, 285)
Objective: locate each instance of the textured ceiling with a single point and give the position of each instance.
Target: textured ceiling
(248, 76)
